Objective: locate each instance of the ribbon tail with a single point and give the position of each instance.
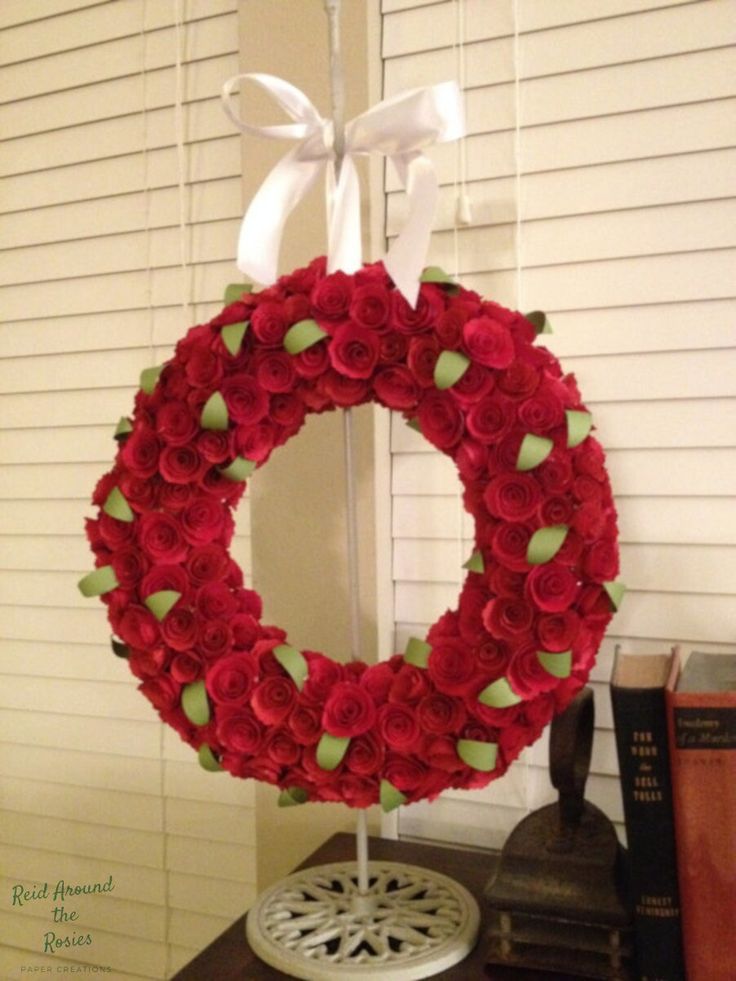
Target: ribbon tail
(259, 241)
(344, 245)
(406, 257)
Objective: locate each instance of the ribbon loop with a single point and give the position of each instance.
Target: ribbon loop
(399, 128)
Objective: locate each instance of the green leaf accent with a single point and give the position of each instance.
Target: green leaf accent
(475, 563)
(98, 582)
(415, 425)
(499, 694)
(579, 425)
(293, 662)
(331, 750)
(615, 592)
(239, 469)
(538, 319)
(302, 335)
(545, 543)
(161, 602)
(533, 451)
(207, 759)
(417, 652)
(478, 755)
(194, 703)
(391, 797)
(436, 274)
(232, 336)
(214, 413)
(557, 664)
(234, 292)
(292, 796)
(450, 367)
(149, 377)
(119, 649)
(117, 506)
(124, 428)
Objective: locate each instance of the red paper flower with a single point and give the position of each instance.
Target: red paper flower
(349, 710)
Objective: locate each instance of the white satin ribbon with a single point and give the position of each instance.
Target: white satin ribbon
(399, 128)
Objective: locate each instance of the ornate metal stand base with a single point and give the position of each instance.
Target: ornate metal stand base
(411, 924)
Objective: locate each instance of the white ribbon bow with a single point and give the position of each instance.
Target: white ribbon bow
(399, 128)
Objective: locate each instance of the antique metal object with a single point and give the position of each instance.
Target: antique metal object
(558, 897)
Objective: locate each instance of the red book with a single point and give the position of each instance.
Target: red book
(702, 732)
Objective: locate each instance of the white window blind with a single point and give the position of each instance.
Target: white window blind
(92, 291)
(608, 131)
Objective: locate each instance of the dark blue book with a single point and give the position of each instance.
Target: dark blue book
(638, 686)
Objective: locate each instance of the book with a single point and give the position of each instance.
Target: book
(702, 733)
(638, 686)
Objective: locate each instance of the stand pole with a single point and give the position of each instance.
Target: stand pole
(337, 92)
(332, 922)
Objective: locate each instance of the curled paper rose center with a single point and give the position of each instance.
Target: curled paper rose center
(456, 707)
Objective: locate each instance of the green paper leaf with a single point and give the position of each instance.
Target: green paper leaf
(302, 335)
(293, 662)
(615, 592)
(194, 703)
(330, 750)
(232, 336)
(533, 451)
(292, 796)
(239, 469)
(478, 755)
(417, 652)
(207, 759)
(579, 425)
(391, 797)
(415, 425)
(99, 581)
(475, 563)
(557, 664)
(117, 506)
(435, 274)
(214, 413)
(149, 377)
(545, 543)
(161, 602)
(499, 694)
(234, 292)
(450, 367)
(124, 428)
(538, 319)
(119, 649)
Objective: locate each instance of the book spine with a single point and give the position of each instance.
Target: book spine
(702, 730)
(640, 721)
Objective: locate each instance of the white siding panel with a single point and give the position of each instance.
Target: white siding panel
(657, 132)
(115, 97)
(650, 34)
(623, 191)
(537, 15)
(654, 521)
(660, 327)
(92, 291)
(694, 77)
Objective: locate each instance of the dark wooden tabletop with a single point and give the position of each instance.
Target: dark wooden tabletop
(229, 958)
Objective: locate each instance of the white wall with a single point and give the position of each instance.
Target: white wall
(622, 178)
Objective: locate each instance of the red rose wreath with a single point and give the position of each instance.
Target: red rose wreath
(453, 710)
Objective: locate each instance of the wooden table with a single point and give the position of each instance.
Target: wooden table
(229, 958)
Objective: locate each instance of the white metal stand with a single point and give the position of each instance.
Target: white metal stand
(318, 925)
(376, 920)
